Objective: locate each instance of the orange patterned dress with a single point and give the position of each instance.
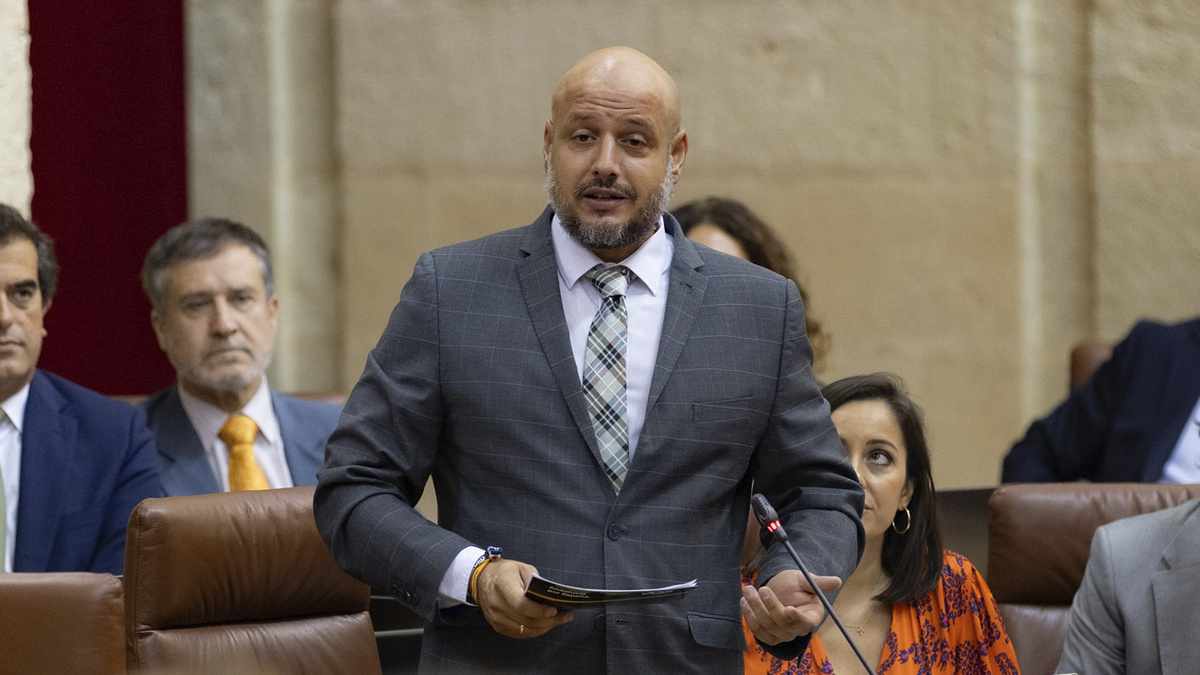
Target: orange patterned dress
(954, 629)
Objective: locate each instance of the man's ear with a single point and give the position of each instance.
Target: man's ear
(679, 148)
(45, 308)
(156, 321)
(547, 139)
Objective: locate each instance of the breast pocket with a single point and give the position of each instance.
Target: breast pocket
(724, 410)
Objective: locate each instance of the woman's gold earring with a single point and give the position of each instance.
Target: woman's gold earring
(907, 522)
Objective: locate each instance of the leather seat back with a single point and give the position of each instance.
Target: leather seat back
(241, 581)
(1039, 538)
(61, 622)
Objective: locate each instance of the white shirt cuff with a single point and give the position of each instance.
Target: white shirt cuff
(453, 589)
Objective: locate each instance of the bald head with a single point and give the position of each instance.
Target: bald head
(613, 150)
(620, 73)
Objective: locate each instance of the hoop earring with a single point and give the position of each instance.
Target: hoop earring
(907, 524)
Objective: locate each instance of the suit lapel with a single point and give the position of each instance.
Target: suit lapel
(47, 446)
(538, 276)
(297, 445)
(1176, 595)
(685, 291)
(291, 444)
(184, 466)
(1180, 388)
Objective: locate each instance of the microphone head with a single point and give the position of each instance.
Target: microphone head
(762, 509)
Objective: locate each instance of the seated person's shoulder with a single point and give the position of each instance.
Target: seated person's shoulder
(151, 404)
(957, 563)
(1149, 524)
(1157, 332)
(83, 400)
(102, 426)
(317, 409)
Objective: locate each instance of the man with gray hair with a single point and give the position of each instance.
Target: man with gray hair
(215, 312)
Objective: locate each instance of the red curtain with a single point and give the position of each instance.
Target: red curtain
(110, 175)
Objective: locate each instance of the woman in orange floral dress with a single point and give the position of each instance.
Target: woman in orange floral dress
(911, 607)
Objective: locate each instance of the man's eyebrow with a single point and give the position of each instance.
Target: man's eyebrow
(636, 120)
(24, 285)
(196, 295)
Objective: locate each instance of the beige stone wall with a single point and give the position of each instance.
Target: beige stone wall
(16, 180)
(261, 151)
(1146, 92)
(969, 187)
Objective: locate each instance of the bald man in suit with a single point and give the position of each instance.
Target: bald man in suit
(499, 375)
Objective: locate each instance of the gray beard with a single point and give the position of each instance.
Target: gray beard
(597, 237)
(234, 382)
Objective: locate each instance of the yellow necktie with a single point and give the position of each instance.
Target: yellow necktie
(244, 473)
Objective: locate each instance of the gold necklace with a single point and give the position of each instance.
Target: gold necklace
(859, 628)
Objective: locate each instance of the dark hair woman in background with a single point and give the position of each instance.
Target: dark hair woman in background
(910, 606)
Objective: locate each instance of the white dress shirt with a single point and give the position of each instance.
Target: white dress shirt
(646, 303)
(1183, 466)
(10, 467)
(208, 419)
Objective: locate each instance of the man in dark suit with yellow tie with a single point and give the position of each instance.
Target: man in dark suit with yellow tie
(594, 395)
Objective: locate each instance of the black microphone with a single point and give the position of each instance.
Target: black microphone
(769, 520)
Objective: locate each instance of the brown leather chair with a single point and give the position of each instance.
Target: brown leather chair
(1086, 357)
(1039, 538)
(241, 581)
(61, 622)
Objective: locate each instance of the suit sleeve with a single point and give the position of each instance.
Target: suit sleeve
(801, 469)
(137, 479)
(381, 455)
(1095, 642)
(1067, 444)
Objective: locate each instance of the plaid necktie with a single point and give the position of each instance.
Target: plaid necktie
(604, 370)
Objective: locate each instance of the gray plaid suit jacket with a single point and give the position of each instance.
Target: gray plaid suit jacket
(474, 382)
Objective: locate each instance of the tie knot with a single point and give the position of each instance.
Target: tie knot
(609, 281)
(238, 429)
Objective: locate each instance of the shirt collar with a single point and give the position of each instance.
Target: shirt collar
(14, 407)
(647, 263)
(208, 418)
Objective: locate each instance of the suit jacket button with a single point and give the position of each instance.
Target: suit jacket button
(411, 598)
(615, 531)
(599, 623)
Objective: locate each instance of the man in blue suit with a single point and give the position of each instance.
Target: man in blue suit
(1136, 420)
(73, 463)
(215, 313)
